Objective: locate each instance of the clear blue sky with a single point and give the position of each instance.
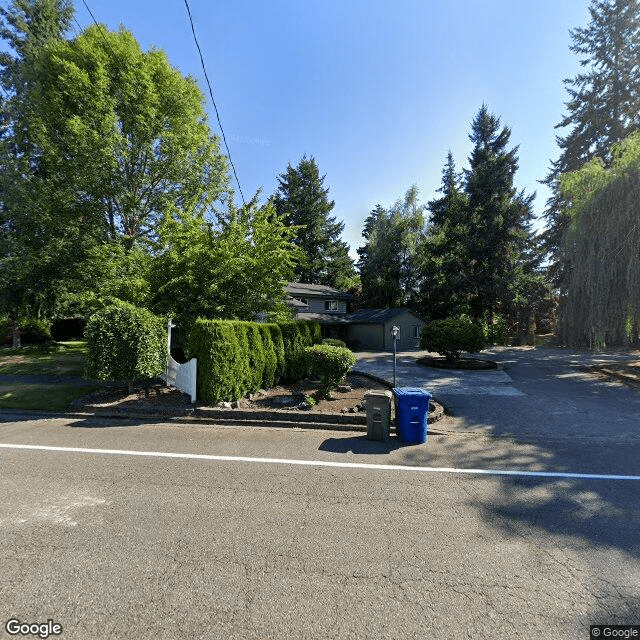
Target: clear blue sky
(377, 92)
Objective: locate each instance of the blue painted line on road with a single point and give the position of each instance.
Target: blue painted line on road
(323, 463)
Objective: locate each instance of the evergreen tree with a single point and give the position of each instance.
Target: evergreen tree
(34, 254)
(603, 106)
(387, 262)
(499, 218)
(302, 201)
(443, 254)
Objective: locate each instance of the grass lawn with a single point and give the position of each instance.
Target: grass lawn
(47, 397)
(58, 359)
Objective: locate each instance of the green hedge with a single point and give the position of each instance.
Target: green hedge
(334, 342)
(236, 358)
(126, 343)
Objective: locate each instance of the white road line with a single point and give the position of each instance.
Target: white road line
(322, 463)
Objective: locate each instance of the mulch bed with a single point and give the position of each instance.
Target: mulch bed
(349, 399)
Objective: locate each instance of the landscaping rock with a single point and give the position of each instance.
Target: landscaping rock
(224, 405)
(343, 388)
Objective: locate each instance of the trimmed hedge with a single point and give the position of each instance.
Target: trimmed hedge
(330, 363)
(125, 342)
(452, 336)
(334, 342)
(236, 358)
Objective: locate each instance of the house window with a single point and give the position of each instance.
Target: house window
(415, 331)
(330, 305)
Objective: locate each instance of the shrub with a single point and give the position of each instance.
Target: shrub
(452, 336)
(296, 336)
(330, 363)
(125, 342)
(269, 355)
(278, 347)
(334, 343)
(222, 362)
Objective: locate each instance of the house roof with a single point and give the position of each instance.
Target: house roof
(325, 318)
(295, 303)
(376, 316)
(303, 290)
(364, 316)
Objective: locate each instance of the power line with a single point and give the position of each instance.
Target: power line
(195, 38)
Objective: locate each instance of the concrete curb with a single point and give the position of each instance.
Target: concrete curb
(275, 418)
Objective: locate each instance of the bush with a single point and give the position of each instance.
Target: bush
(296, 337)
(32, 331)
(330, 363)
(125, 342)
(452, 336)
(334, 343)
(270, 357)
(222, 362)
(278, 347)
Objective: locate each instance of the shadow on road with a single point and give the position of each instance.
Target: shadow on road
(360, 445)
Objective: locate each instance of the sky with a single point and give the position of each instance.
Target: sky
(377, 92)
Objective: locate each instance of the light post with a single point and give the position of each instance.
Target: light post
(394, 333)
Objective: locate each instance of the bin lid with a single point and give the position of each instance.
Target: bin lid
(407, 392)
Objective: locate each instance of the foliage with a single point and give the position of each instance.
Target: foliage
(331, 364)
(270, 357)
(232, 271)
(600, 292)
(296, 337)
(222, 361)
(334, 342)
(36, 247)
(30, 330)
(480, 256)
(125, 135)
(236, 358)
(603, 106)
(302, 201)
(445, 263)
(125, 343)
(451, 336)
(387, 261)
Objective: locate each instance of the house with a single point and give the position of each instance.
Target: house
(364, 329)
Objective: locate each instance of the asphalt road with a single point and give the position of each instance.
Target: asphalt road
(265, 533)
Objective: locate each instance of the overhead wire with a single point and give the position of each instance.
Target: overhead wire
(195, 38)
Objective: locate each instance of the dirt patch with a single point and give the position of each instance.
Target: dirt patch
(349, 398)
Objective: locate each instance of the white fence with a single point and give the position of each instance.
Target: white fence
(182, 376)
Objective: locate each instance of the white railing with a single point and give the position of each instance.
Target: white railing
(182, 376)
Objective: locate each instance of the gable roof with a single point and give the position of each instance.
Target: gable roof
(303, 290)
(378, 315)
(364, 316)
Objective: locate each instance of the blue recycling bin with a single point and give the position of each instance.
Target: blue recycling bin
(412, 414)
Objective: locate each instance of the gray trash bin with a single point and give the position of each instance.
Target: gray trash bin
(378, 404)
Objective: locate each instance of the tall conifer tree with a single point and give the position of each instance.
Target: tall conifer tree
(603, 106)
(303, 201)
